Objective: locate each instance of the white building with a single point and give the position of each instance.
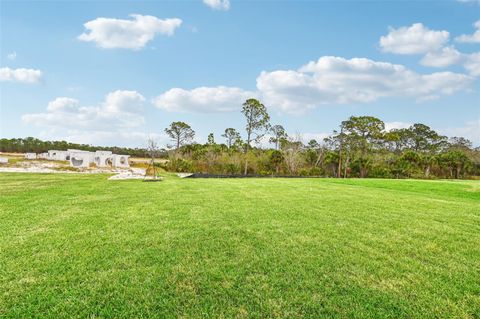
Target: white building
(3, 160)
(55, 155)
(103, 158)
(30, 156)
(120, 160)
(80, 158)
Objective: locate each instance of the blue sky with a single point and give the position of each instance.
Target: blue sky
(91, 72)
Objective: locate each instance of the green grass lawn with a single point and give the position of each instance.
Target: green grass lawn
(80, 246)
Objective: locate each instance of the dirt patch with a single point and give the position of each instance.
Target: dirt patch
(42, 166)
(133, 173)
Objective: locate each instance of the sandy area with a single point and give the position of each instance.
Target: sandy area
(39, 166)
(133, 173)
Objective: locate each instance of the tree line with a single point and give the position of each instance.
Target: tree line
(34, 145)
(361, 147)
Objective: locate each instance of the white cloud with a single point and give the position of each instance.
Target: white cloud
(335, 80)
(118, 102)
(473, 38)
(203, 99)
(471, 131)
(442, 58)
(415, 39)
(307, 137)
(121, 110)
(263, 142)
(472, 64)
(22, 75)
(450, 56)
(63, 104)
(396, 125)
(133, 34)
(218, 4)
(12, 56)
(330, 80)
(104, 138)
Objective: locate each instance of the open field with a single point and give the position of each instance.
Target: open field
(80, 246)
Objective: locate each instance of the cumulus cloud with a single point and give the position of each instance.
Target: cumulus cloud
(442, 58)
(335, 80)
(218, 4)
(123, 102)
(104, 138)
(450, 56)
(120, 110)
(471, 38)
(330, 80)
(396, 125)
(63, 104)
(319, 137)
(109, 33)
(471, 131)
(472, 64)
(21, 75)
(415, 39)
(305, 137)
(203, 99)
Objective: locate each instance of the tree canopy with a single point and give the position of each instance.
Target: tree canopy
(361, 147)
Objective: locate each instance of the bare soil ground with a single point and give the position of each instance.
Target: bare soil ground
(18, 164)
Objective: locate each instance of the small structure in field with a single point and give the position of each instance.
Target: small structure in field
(103, 158)
(3, 160)
(120, 160)
(55, 155)
(82, 159)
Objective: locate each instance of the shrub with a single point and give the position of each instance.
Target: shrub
(315, 171)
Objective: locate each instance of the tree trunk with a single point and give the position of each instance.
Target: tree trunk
(427, 171)
(340, 154)
(346, 165)
(246, 152)
(363, 171)
(339, 162)
(246, 160)
(319, 160)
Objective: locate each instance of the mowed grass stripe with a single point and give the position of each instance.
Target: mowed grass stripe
(82, 246)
